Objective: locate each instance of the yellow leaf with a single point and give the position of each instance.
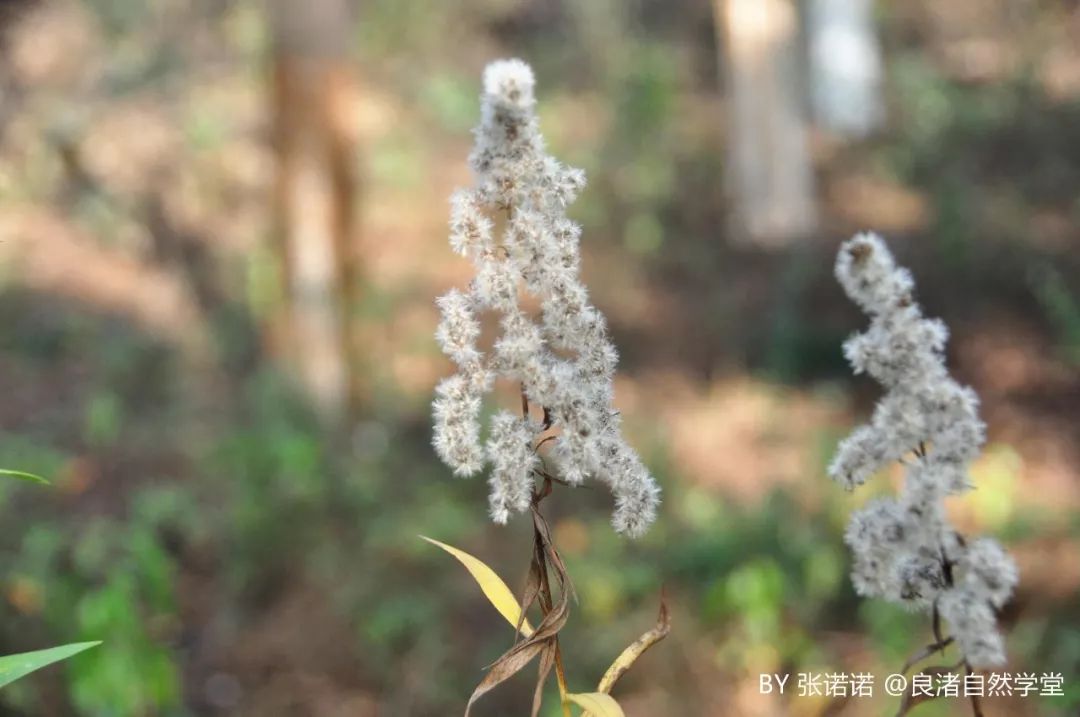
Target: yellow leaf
(596, 704)
(630, 655)
(493, 586)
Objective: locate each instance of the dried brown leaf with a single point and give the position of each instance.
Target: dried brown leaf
(528, 596)
(504, 668)
(543, 639)
(547, 661)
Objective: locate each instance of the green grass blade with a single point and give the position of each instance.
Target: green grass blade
(23, 475)
(12, 667)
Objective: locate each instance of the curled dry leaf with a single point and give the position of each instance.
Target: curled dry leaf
(506, 667)
(547, 661)
(630, 655)
(496, 591)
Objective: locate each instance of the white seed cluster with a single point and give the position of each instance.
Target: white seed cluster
(563, 358)
(905, 550)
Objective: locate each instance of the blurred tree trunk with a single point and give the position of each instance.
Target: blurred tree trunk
(316, 190)
(845, 65)
(770, 175)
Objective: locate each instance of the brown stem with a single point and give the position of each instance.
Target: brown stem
(547, 602)
(976, 705)
(937, 628)
(560, 677)
(542, 550)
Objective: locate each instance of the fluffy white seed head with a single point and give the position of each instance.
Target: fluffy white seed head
(457, 426)
(508, 84)
(974, 625)
(905, 550)
(563, 358)
(470, 228)
(986, 569)
(513, 460)
(459, 328)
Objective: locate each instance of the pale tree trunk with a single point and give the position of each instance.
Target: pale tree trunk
(316, 188)
(771, 180)
(845, 65)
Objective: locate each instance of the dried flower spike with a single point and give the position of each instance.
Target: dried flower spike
(563, 358)
(905, 551)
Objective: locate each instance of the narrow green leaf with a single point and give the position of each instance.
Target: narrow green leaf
(12, 667)
(23, 475)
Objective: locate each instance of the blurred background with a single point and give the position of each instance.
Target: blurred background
(222, 228)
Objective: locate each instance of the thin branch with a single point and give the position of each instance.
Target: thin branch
(542, 442)
(550, 479)
(924, 653)
(560, 677)
(937, 627)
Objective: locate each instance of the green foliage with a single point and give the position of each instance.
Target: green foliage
(14, 667)
(120, 17)
(393, 26)
(278, 473)
(798, 348)
(137, 674)
(397, 160)
(987, 155)
(451, 98)
(104, 416)
(645, 95)
(114, 579)
(1062, 307)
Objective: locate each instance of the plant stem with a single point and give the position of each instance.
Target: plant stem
(546, 598)
(560, 676)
